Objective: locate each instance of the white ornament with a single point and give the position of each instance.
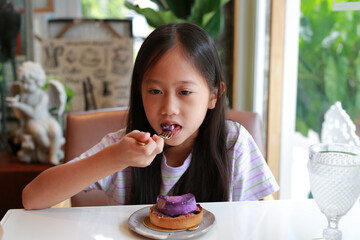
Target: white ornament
(40, 134)
(338, 127)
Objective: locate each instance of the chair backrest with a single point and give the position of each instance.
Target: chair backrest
(252, 122)
(85, 129)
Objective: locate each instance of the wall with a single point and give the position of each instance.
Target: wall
(244, 38)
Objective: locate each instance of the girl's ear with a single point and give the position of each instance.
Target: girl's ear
(212, 100)
(214, 95)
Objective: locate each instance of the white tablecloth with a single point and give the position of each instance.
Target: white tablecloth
(278, 219)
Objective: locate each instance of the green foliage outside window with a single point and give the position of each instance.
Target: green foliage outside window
(104, 9)
(329, 63)
(205, 13)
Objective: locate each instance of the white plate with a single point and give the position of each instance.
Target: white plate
(136, 224)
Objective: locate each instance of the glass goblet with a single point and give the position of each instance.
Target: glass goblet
(334, 171)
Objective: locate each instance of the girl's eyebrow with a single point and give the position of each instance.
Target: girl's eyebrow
(147, 80)
(182, 82)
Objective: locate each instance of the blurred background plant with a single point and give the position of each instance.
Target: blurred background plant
(205, 13)
(103, 9)
(329, 63)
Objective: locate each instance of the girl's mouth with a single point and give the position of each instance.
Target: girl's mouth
(169, 130)
(167, 127)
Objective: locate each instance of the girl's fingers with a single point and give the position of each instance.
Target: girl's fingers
(140, 138)
(140, 148)
(153, 145)
(159, 143)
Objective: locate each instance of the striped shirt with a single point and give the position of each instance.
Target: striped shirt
(250, 178)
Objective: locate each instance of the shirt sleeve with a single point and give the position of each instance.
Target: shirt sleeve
(251, 177)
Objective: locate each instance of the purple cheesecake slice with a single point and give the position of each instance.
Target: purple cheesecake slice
(176, 205)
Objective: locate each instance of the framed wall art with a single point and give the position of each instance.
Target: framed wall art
(41, 6)
(92, 57)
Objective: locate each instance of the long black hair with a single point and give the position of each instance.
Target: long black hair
(208, 175)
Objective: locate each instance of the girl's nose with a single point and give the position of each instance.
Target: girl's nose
(169, 105)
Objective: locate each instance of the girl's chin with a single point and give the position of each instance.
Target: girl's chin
(179, 140)
(174, 142)
(171, 143)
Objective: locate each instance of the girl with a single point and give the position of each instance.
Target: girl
(177, 80)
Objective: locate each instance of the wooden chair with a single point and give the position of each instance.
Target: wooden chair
(85, 129)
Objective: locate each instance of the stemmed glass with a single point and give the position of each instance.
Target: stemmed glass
(334, 171)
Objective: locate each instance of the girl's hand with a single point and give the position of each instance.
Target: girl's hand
(134, 154)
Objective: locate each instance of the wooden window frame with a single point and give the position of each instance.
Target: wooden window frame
(275, 88)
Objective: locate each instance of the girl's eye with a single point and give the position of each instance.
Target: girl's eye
(154, 91)
(185, 92)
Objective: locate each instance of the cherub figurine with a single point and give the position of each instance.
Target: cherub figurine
(40, 134)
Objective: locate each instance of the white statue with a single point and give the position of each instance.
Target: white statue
(40, 134)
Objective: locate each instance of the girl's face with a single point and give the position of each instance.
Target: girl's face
(174, 92)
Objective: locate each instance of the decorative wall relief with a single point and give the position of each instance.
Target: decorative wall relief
(98, 70)
(52, 55)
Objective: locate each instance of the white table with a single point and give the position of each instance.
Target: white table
(278, 219)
